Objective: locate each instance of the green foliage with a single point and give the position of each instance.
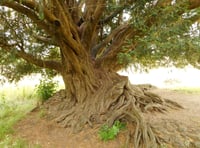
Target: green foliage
(125, 59)
(46, 88)
(109, 133)
(167, 42)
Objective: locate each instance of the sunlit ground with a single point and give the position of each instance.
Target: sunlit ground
(162, 77)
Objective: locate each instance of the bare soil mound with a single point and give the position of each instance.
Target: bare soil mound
(176, 129)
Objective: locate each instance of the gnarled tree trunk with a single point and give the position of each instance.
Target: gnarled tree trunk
(103, 97)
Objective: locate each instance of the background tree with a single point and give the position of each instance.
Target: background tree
(87, 42)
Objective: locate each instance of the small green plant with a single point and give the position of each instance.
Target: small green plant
(46, 88)
(109, 133)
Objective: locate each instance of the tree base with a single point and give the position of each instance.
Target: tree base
(114, 100)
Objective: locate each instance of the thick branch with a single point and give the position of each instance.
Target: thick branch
(39, 62)
(46, 40)
(72, 21)
(109, 57)
(30, 58)
(94, 10)
(118, 40)
(35, 7)
(194, 4)
(67, 31)
(101, 46)
(74, 9)
(99, 11)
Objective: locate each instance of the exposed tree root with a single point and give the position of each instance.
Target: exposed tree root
(114, 100)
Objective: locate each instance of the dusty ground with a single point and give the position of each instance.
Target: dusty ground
(178, 128)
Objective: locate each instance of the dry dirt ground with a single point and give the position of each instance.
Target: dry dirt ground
(178, 128)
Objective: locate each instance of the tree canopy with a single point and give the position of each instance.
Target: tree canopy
(115, 33)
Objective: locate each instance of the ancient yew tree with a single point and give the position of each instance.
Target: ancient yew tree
(87, 42)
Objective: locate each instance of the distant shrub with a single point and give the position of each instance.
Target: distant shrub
(46, 88)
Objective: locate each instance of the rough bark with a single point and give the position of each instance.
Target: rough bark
(113, 99)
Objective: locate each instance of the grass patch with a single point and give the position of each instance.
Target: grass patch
(10, 114)
(18, 93)
(16, 143)
(15, 102)
(188, 89)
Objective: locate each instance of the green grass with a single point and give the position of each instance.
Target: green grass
(11, 113)
(15, 102)
(16, 143)
(18, 93)
(188, 89)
